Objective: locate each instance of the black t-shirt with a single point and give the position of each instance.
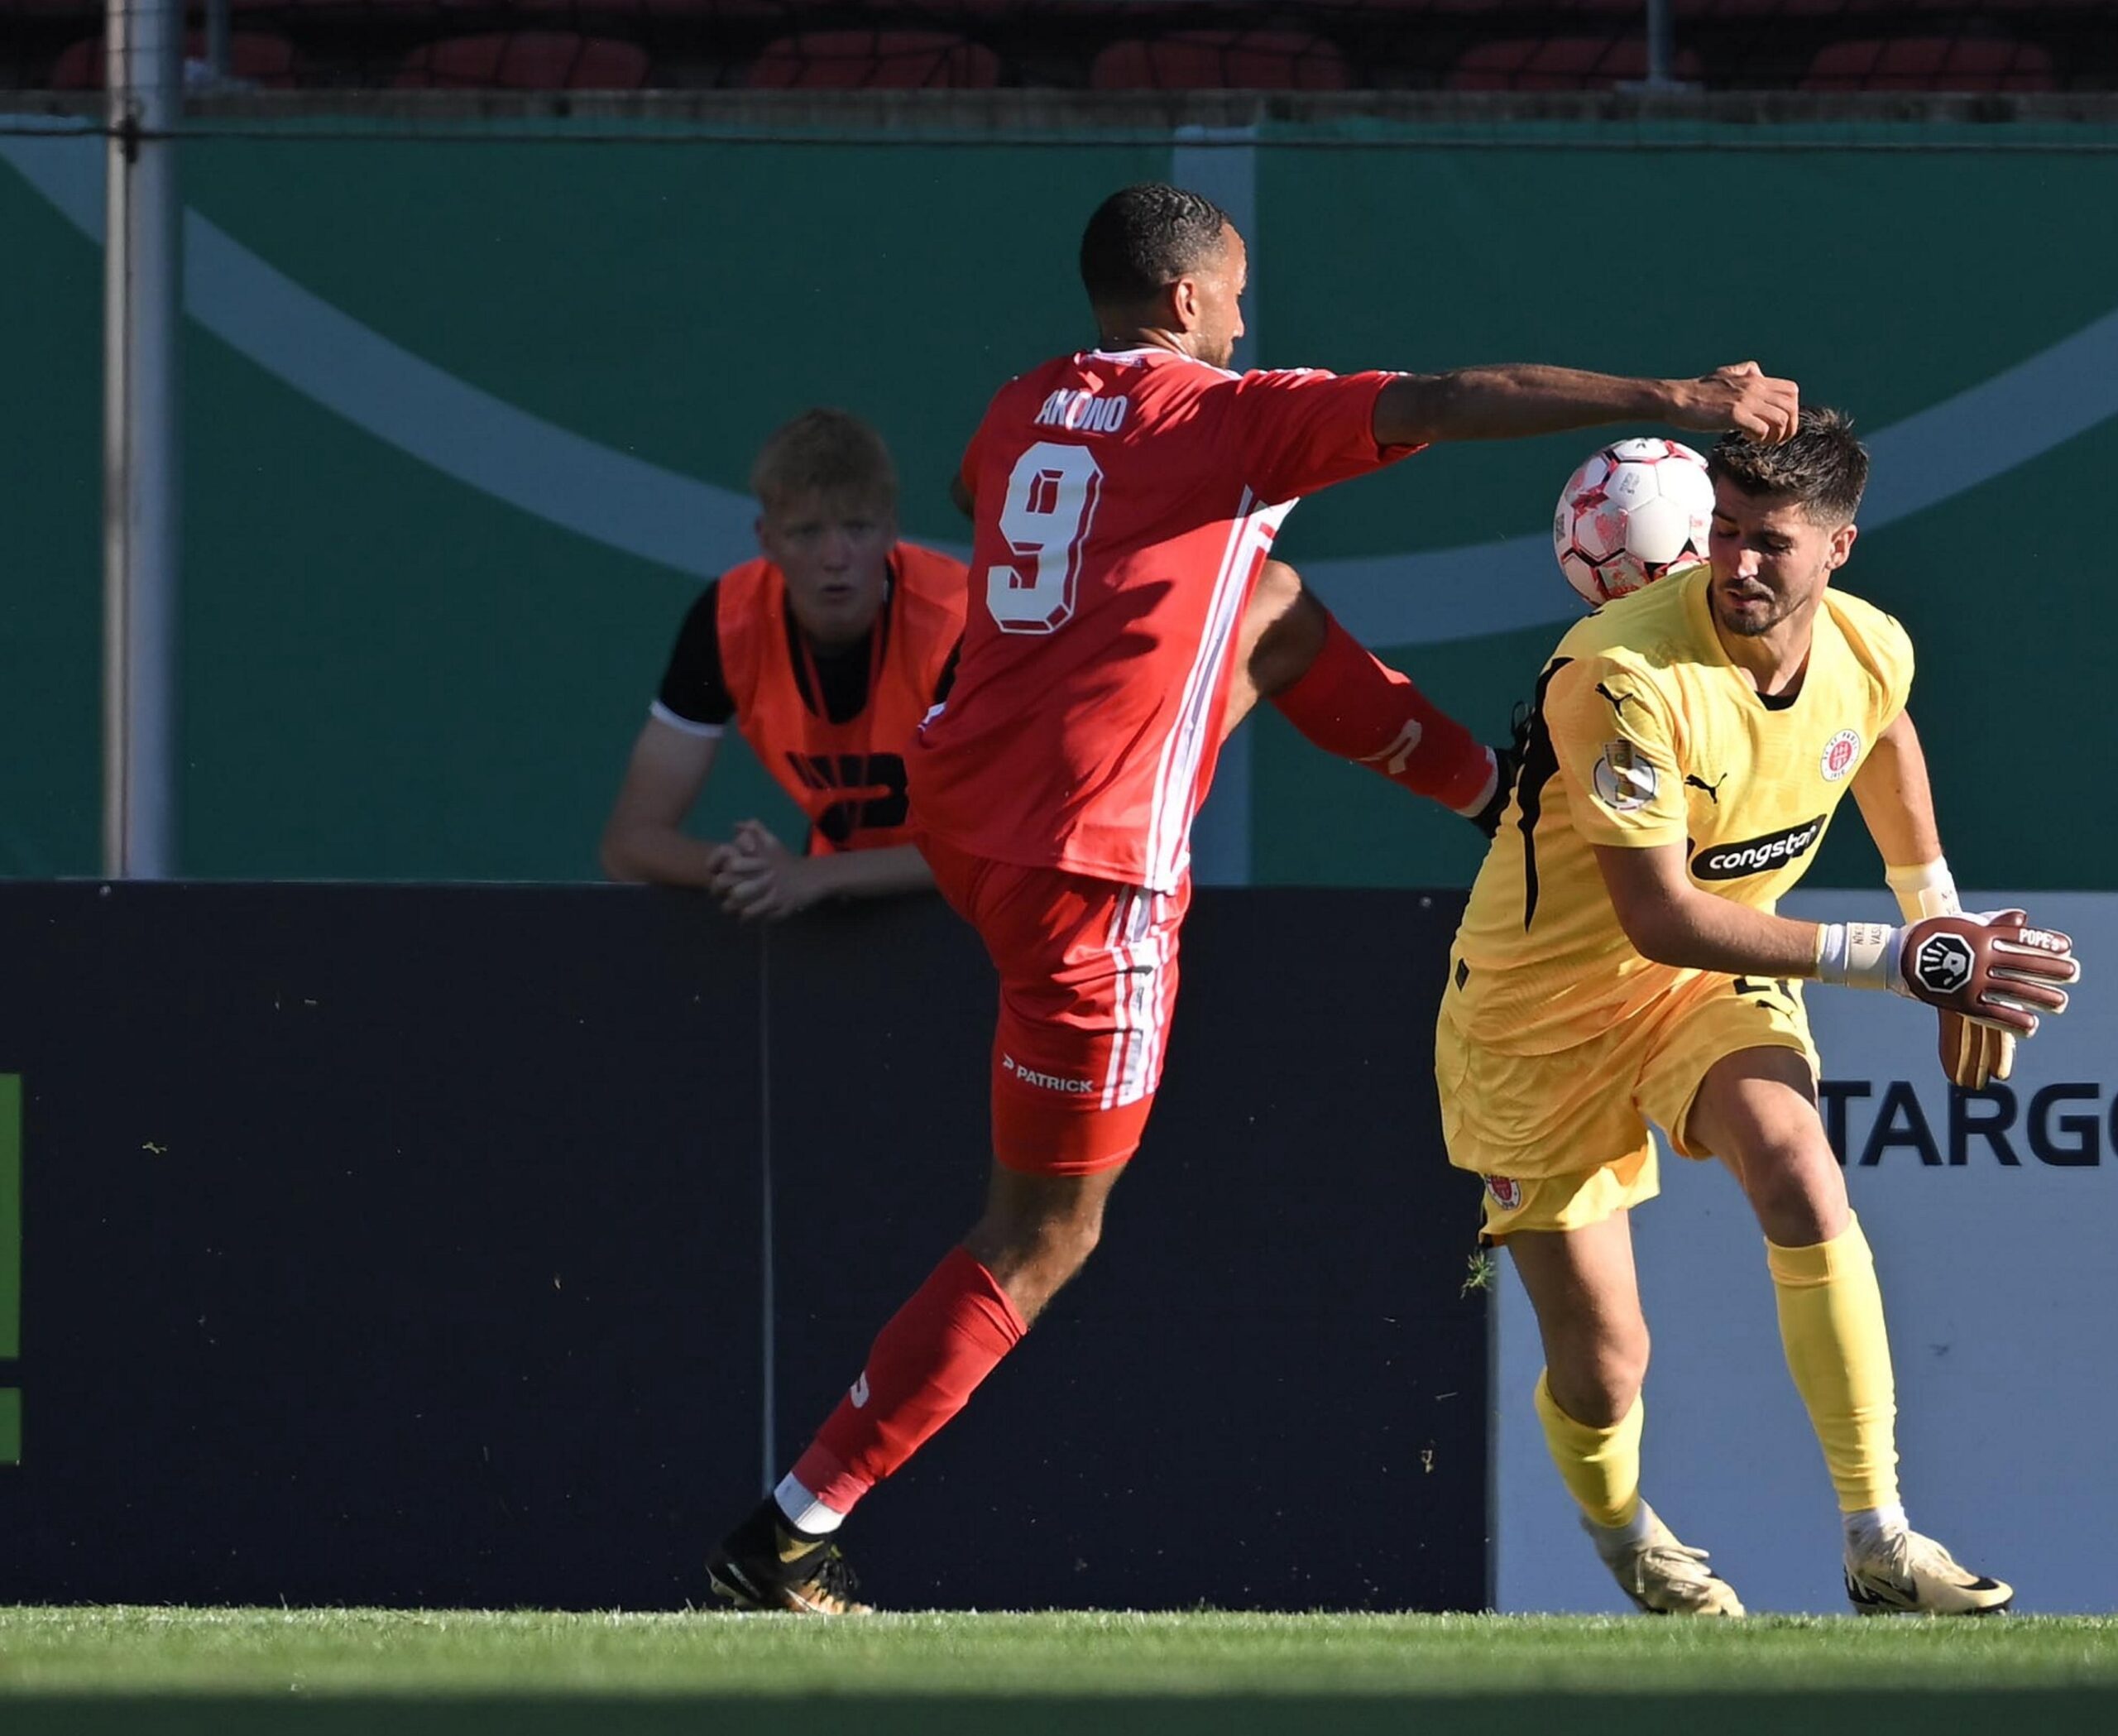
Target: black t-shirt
(695, 691)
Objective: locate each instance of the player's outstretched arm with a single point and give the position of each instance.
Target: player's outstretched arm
(1996, 969)
(1518, 399)
(1669, 920)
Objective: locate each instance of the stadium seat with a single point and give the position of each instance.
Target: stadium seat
(1931, 63)
(1691, 10)
(1399, 9)
(525, 60)
(1560, 63)
(590, 15)
(1222, 60)
(254, 56)
(873, 59)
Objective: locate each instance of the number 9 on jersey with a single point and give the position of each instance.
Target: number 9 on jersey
(1045, 516)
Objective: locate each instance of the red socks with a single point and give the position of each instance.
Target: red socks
(1350, 705)
(923, 1366)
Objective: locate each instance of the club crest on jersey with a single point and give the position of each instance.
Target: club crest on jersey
(1943, 963)
(1839, 754)
(1506, 1194)
(1624, 778)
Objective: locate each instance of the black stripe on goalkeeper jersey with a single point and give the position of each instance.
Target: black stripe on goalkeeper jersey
(1539, 766)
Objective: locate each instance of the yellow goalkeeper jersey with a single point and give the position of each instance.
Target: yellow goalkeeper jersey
(1646, 734)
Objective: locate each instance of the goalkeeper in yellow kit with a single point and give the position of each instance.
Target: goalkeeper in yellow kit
(1620, 963)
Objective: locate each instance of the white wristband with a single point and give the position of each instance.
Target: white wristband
(1860, 956)
(1928, 890)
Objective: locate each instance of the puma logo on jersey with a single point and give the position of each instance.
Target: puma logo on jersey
(1617, 700)
(1713, 790)
(1083, 412)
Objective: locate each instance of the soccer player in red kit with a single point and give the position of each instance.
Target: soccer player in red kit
(1124, 499)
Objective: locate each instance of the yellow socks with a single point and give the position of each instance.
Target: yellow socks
(1601, 1466)
(1831, 1322)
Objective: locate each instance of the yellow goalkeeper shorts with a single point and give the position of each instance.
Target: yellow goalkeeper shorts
(1562, 1140)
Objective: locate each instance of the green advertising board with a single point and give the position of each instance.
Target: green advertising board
(468, 421)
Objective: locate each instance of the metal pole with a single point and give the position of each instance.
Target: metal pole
(143, 276)
(216, 40)
(1661, 50)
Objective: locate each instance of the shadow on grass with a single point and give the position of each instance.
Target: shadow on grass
(2047, 1712)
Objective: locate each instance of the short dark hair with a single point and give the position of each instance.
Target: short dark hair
(1824, 468)
(828, 451)
(1143, 239)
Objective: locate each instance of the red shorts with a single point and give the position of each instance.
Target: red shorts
(1088, 977)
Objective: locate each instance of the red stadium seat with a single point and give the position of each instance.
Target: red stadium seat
(1931, 63)
(1397, 10)
(588, 15)
(1561, 63)
(1689, 10)
(874, 59)
(255, 57)
(1222, 60)
(525, 60)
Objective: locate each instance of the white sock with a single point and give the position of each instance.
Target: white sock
(1485, 791)
(804, 1511)
(1865, 1529)
(1613, 1540)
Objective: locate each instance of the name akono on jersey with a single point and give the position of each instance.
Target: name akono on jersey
(1084, 412)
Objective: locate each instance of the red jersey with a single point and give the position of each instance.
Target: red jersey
(1123, 503)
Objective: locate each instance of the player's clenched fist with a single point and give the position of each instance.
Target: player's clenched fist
(1995, 970)
(1742, 397)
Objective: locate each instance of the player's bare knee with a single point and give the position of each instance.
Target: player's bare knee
(1055, 1240)
(1598, 1391)
(1621, 1364)
(1064, 1245)
(1795, 1187)
(1596, 1367)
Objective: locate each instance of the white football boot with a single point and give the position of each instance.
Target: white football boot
(1665, 1577)
(1903, 1573)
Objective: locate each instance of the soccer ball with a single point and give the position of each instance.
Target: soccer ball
(1635, 511)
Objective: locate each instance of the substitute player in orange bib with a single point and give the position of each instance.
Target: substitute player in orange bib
(1620, 963)
(827, 650)
(826, 653)
(1124, 499)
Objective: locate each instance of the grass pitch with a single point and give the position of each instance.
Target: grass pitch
(244, 1672)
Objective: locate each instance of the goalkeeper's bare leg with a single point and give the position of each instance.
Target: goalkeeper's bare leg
(1757, 1110)
(1581, 1284)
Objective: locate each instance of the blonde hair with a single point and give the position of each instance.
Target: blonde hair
(824, 451)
